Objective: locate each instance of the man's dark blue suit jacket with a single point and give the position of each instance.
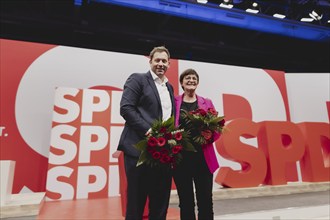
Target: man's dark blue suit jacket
(140, 106)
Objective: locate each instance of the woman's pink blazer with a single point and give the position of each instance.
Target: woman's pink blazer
(208, 149)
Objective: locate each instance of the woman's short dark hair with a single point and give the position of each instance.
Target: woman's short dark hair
(159, 49)
(188, 72)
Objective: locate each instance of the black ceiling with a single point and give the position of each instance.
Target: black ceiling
(114, 28)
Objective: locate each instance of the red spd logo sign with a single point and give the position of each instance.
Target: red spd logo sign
(280, 143)
(80, 153)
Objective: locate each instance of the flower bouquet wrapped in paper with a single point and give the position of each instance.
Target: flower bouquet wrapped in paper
(164, 144)
(206, 125)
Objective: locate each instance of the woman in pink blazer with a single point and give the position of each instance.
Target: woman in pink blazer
(196, 168)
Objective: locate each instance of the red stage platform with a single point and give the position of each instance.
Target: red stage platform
(107, 208)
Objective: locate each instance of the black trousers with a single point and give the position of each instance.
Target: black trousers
(193, 171)
(142, 182)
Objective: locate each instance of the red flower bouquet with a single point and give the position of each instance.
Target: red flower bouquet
(204, 123)
(164, 145)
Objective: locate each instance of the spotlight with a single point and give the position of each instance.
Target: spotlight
(307, 19)
(254, 9)
(314, 16)
(202, 1)
(278, 16)
(317, 16)
(226, 4)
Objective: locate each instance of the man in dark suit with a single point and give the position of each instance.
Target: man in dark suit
(146, 97)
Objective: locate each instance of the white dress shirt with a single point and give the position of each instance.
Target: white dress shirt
(164, 95)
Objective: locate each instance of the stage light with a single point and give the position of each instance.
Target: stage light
(314, 16)
(202, 1)
(320, 15)
(254, 9)
(226, 4)
(307, 19)
(276, 15)
(317, 16)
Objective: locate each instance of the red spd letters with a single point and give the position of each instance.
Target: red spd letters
(79, 153)
(280, 144)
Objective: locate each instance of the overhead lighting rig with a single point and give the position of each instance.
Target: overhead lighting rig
(312, 11)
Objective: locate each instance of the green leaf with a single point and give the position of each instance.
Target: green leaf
(141, 145)
(189, 147)
(142, 158)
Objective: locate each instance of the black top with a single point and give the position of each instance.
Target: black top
(189, 106)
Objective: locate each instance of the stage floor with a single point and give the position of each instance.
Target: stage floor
(279, 203)
(303, 206)
(109, 208)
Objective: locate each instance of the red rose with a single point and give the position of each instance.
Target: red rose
(156, 155)
(202, 112)
(164, 151)
(161, 141)
(165, 159)
(150, 149)
(162, 130)
(194, 112)
(213, 111)
(152, 141)
(207, 134)
(168, 136)
(178, 136)
(222, 122)
(176, 149)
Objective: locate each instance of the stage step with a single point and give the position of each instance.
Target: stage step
(24, 204)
